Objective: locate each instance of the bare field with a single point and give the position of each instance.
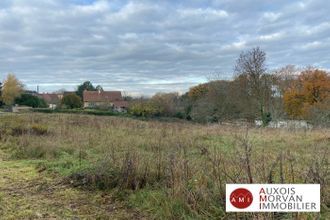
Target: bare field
(149, 169)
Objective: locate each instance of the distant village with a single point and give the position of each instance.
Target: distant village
(90, 99)
(14, 97)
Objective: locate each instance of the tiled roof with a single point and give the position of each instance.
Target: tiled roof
(120, 104)
(102, 96)
(50, 98)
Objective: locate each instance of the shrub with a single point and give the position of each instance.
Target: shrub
(72, 101)
(319, 114)
(44, 110)
(31, 100)
(266, 118)
(39, 129)
(145, 109)
(18, 130)
(179, 115)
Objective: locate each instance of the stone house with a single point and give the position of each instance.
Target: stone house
(53, 100)
(105, 99)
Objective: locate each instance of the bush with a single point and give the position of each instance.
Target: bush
(78, 111)
(179, 115)
(18, 130)
(145, 109)
(43, 110)
(266, 118)
(105, 174)
(319, 114)
(31, 100)
(39, 129)
(72, 101)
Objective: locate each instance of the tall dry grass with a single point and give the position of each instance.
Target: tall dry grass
(181, 167)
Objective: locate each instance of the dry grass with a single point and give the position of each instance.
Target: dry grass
(28, 194)
(170, 170)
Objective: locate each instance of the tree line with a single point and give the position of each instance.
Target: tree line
(254, 93)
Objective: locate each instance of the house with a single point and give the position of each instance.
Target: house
(52, 99)
(65, 93)
(120, 106)
(105, 99)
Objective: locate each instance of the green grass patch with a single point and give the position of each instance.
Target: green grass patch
(64, 165)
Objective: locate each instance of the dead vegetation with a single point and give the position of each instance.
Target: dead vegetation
(27, 194)
(171, 170)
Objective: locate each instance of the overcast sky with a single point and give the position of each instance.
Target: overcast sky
(147, 46)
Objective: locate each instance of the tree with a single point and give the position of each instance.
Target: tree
(126, 96)
(12, 88)
(311, 90)
(212, 102)
(87, 85)
(252, 65)
(144, 108)
(167, 102)
(198, 91)
(221, 98)
(71, 101)
(1, 103)
(31, 100)
(99, 88)
(283, 79)
(319, 114)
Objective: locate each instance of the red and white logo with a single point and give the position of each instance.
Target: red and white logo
(241, 198)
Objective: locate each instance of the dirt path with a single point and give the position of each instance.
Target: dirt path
(27, 194)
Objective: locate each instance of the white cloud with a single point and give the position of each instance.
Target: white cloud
(271, 37)
(324, 26)
(128, 36)
(96, 7)
(311, 45)
(239, 45)
(207, 13)
(271, 16)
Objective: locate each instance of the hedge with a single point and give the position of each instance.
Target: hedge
(76, 111)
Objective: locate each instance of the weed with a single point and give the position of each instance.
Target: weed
(173, 170)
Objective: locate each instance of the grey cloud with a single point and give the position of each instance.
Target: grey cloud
(148, 46)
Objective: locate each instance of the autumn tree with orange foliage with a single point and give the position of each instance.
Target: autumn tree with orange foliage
(198, 91)
(309, 92)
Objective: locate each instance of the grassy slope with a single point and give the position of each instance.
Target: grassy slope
(26, 193)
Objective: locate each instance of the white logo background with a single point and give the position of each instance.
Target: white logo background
(310, 193)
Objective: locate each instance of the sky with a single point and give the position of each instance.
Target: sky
(148, 46)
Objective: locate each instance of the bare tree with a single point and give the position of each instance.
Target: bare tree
(283, 79)
(251, 65)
